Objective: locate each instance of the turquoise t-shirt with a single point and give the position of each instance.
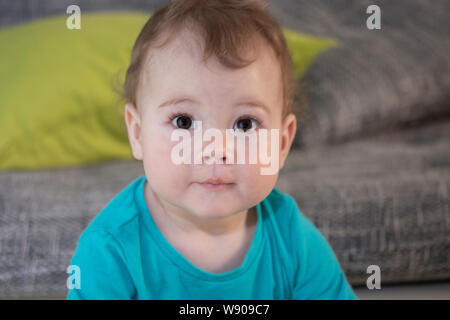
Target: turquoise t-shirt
(123, 255)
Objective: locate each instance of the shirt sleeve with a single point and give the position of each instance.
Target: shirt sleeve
(318, 275)
(103, 274)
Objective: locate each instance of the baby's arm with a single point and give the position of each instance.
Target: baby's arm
(104, 275)
(318, 274)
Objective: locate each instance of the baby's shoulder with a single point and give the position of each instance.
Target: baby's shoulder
(284, 211)
(278, 201)
(118, 213)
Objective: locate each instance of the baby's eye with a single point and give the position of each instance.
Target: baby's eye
(182, 121)
(246, 124)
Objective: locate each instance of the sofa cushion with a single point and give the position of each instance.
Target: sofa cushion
(376, 79)
(382, 200)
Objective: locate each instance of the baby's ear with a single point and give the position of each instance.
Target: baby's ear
(133, 122)
(288, 130)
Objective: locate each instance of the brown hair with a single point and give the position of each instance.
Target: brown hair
(227, 27)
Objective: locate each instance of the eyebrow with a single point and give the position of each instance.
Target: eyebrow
(246, 102)
(175, 101)
(254, 103)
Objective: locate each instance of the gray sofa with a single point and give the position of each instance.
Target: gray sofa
(370, 164)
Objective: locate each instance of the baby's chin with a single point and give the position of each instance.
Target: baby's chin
(216, 212)
(210, 202)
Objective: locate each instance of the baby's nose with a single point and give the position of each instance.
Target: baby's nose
(216, 151)
(217, 155)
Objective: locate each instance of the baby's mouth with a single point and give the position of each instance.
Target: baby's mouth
(216, 184)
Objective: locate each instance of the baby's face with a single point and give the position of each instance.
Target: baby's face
(175, 90)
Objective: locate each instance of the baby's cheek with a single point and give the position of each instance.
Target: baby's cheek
(156, 145)
(158, 158)
(252, 186)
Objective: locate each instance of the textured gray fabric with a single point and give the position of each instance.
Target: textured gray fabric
(376, 79)
(42, 214)
(382, 201)
(15, 12)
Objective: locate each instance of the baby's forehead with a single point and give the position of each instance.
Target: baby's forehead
(186, 44)
(179, 67)
(194, 41)
(187, 48)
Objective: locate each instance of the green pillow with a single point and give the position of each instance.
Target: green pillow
(57, 103)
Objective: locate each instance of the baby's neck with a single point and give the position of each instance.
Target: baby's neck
(218, 251)
(170, 219)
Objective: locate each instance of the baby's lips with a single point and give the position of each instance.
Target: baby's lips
(216, 181)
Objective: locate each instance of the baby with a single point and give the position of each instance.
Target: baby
(214, 228)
